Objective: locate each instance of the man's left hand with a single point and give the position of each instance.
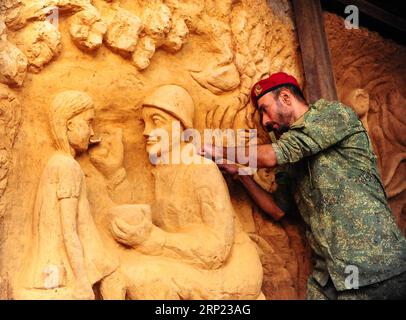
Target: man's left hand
(229, 168)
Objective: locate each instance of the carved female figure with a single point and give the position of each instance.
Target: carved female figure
(67, 256)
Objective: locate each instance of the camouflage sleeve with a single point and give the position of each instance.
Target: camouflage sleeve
(319, 131)
(293, 146)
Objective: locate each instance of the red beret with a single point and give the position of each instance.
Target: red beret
(274, 81)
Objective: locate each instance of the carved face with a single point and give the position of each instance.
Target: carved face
(159, 131)
(79, 130)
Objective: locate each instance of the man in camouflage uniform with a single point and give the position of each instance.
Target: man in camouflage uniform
(359, 252)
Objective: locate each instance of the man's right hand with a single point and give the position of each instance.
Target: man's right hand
(212, 152)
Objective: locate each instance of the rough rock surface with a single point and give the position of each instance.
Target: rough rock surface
(87, 29)
(123, 32)
(371, 78)
(41, 43)
(13, 64)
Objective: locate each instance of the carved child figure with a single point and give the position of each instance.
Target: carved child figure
(189, 244)
(66, 256)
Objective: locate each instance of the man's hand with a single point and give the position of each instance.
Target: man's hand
(212, 152)
(266, 157)
(229, 168)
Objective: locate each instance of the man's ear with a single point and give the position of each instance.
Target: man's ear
(286, 97)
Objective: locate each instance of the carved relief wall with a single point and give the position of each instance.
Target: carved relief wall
(110, 56)
(370, 74)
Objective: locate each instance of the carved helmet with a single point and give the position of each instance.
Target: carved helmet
(175, 100)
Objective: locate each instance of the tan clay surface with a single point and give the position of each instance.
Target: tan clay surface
(118, 53)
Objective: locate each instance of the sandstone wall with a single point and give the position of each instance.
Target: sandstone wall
(117, 52)
(370, 74)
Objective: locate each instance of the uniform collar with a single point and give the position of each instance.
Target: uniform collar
(299, 123)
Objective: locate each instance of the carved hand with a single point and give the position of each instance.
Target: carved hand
(108, 156)
(131, 225)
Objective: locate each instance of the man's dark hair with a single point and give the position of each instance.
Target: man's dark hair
(293, 89)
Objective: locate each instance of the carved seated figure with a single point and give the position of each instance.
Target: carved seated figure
(65, 256)
(189, 243)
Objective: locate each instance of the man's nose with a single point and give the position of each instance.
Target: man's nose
(91, 131)
(265, 120)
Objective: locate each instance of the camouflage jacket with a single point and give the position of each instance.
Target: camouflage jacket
(339, 193)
